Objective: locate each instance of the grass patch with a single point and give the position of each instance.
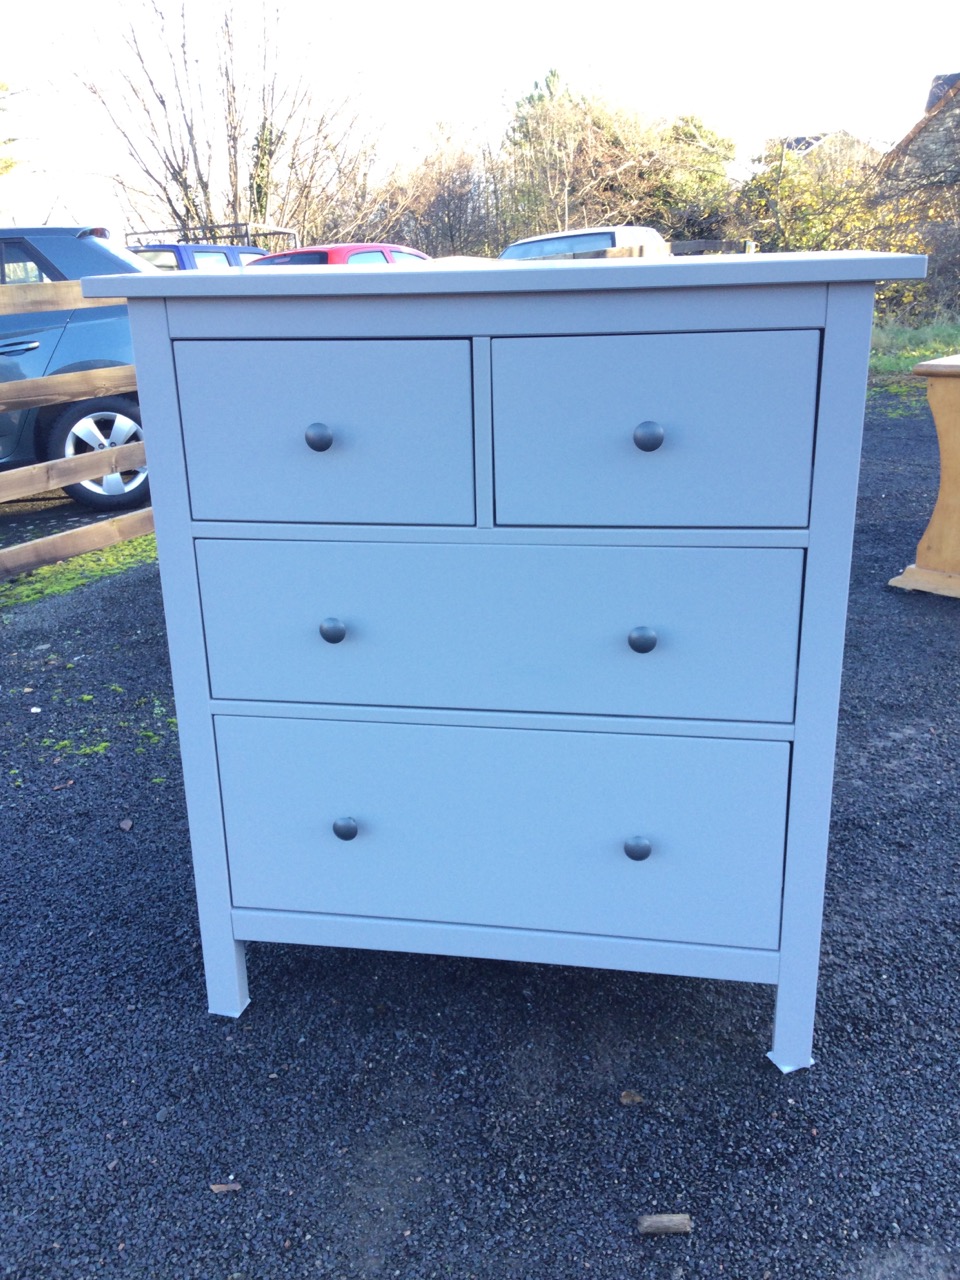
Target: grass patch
(895, 349)
(78, 571)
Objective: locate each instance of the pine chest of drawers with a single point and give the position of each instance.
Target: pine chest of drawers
(506, 605)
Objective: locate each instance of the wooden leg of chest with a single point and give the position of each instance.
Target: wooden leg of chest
(937, 566)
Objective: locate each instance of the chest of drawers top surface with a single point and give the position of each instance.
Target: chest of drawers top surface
(478, 276)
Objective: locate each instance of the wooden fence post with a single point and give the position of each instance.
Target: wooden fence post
(937, 566)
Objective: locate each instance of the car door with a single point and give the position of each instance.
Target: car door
(27, 341)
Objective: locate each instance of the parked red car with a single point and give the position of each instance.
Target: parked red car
(326, 255)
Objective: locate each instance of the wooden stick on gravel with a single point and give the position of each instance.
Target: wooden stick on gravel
(665, 1224)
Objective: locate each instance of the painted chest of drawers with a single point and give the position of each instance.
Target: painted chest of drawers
(506, 605)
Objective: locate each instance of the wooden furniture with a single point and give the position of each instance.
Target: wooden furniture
(937, 566)
(506, 605)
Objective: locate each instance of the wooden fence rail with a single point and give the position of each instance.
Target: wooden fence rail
(60, 295)
(66, 388)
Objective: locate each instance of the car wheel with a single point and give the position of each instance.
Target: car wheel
(101, 424)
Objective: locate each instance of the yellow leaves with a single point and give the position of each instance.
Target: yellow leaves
(831, 195)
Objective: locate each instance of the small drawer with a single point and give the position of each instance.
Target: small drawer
(706, 430)
(705, 632)
(511, 828)
(392, 437)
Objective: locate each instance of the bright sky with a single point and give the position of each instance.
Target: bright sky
(750, 72)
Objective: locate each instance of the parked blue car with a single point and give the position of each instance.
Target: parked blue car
(37, 344)
(197, 257)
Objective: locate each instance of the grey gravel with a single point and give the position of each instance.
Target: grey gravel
(378, 1115)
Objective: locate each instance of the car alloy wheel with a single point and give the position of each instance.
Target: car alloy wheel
(100, 425)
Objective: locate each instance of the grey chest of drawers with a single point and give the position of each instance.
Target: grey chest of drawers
(506, 605)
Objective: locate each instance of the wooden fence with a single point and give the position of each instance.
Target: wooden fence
(66, 388)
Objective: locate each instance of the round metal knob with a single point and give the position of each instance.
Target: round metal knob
(648, 436)
(637, 848)
(345, 828)
(332, 630)
(642, 639)
(319, 437)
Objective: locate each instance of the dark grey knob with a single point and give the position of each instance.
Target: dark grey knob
(345, 828)
(640, 639)
(648, 436)
(332, 630)
(637, 848)
(319, 437)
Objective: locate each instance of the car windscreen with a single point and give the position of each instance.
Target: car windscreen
(211, 260)
(562, 246)
(314, 258)
(165, 259)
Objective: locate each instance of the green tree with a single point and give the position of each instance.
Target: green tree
(575, 161)
(545, 140)
(823, 196)
(694, 196)
(833, 195)
(266, 144)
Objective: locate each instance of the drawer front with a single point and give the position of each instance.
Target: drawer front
(400, 422)
(507, 827)
(520, 628)
(736, 413)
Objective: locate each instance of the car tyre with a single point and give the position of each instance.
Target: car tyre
(101, 424)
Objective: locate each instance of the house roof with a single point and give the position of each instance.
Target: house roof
(933, 120)
(940, 86)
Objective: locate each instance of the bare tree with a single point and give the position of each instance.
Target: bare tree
(447, 204)
(227, 139)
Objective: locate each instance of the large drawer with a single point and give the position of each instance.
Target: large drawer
(736, 412)
(519, 628)
(507, 827)
(400, 420)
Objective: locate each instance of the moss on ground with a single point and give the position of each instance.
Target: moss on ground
(78, 571)
(894, 396)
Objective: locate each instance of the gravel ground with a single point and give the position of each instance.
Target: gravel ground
(43, 514)
(377, 1115)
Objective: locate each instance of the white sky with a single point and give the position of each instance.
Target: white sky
(749, 71)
